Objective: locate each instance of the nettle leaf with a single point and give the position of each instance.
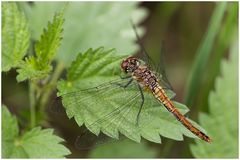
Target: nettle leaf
(110, 108)
(37, 143)
(15, 35)
(43, 144)
(89, 25)
(131, 150)
(9, 131)
(39, 66)
(30, 69)
(222, 122)
(50, 40)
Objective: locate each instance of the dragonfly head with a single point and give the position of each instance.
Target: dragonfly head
(130, 64)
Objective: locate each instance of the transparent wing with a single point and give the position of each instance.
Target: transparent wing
(108, 108)
(55, 106)
(160, 68)
(113, 120)
(145, 57)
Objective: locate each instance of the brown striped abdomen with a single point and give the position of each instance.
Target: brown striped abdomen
(160, 94)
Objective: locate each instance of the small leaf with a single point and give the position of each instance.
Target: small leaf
(110, 108)
(89, 25)
(123, 149)
(39, 67)
(36, 143)
(30, 69)
(50, 40)
(9, 131)
(222, 122)
(39, 143)
(15, 35)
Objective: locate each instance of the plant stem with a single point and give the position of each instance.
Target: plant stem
(52, 84)
(32, 104)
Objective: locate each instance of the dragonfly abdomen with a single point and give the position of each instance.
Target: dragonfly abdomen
(160, 94)
(189, 126)
(147, 79)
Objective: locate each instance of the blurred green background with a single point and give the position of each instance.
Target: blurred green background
(181, 26)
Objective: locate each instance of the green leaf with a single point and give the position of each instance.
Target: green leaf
(89, 25)
(9, 131)
(30, 69)
(15, 35)
(222, 122)
(50, 40)
(36, 143)
(39, 67)
(123, 149)
(39, 143)
(96, 67)
(203, 52)
(225, 37)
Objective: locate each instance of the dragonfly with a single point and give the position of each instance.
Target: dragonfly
(148, 80)
(143, 75)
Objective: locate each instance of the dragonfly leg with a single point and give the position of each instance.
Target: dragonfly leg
(122, 77)
(126, 85)
(140, 109)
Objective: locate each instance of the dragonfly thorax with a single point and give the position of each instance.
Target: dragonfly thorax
(130, 64)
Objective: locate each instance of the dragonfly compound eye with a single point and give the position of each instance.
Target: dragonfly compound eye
(129, 64)
(124, 65)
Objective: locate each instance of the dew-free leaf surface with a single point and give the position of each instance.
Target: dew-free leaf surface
(222, 122)
(15, 35)
(111, 108)
(36, 143)
(9, 131)
(88, 25)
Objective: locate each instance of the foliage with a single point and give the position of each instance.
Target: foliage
(222, 122)
(70, 33)
(224, 39)
(88, 106)
(203, 52)
(89, 25)
(37, 143)
(15, 36)
(115, 150)
(39, 67)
